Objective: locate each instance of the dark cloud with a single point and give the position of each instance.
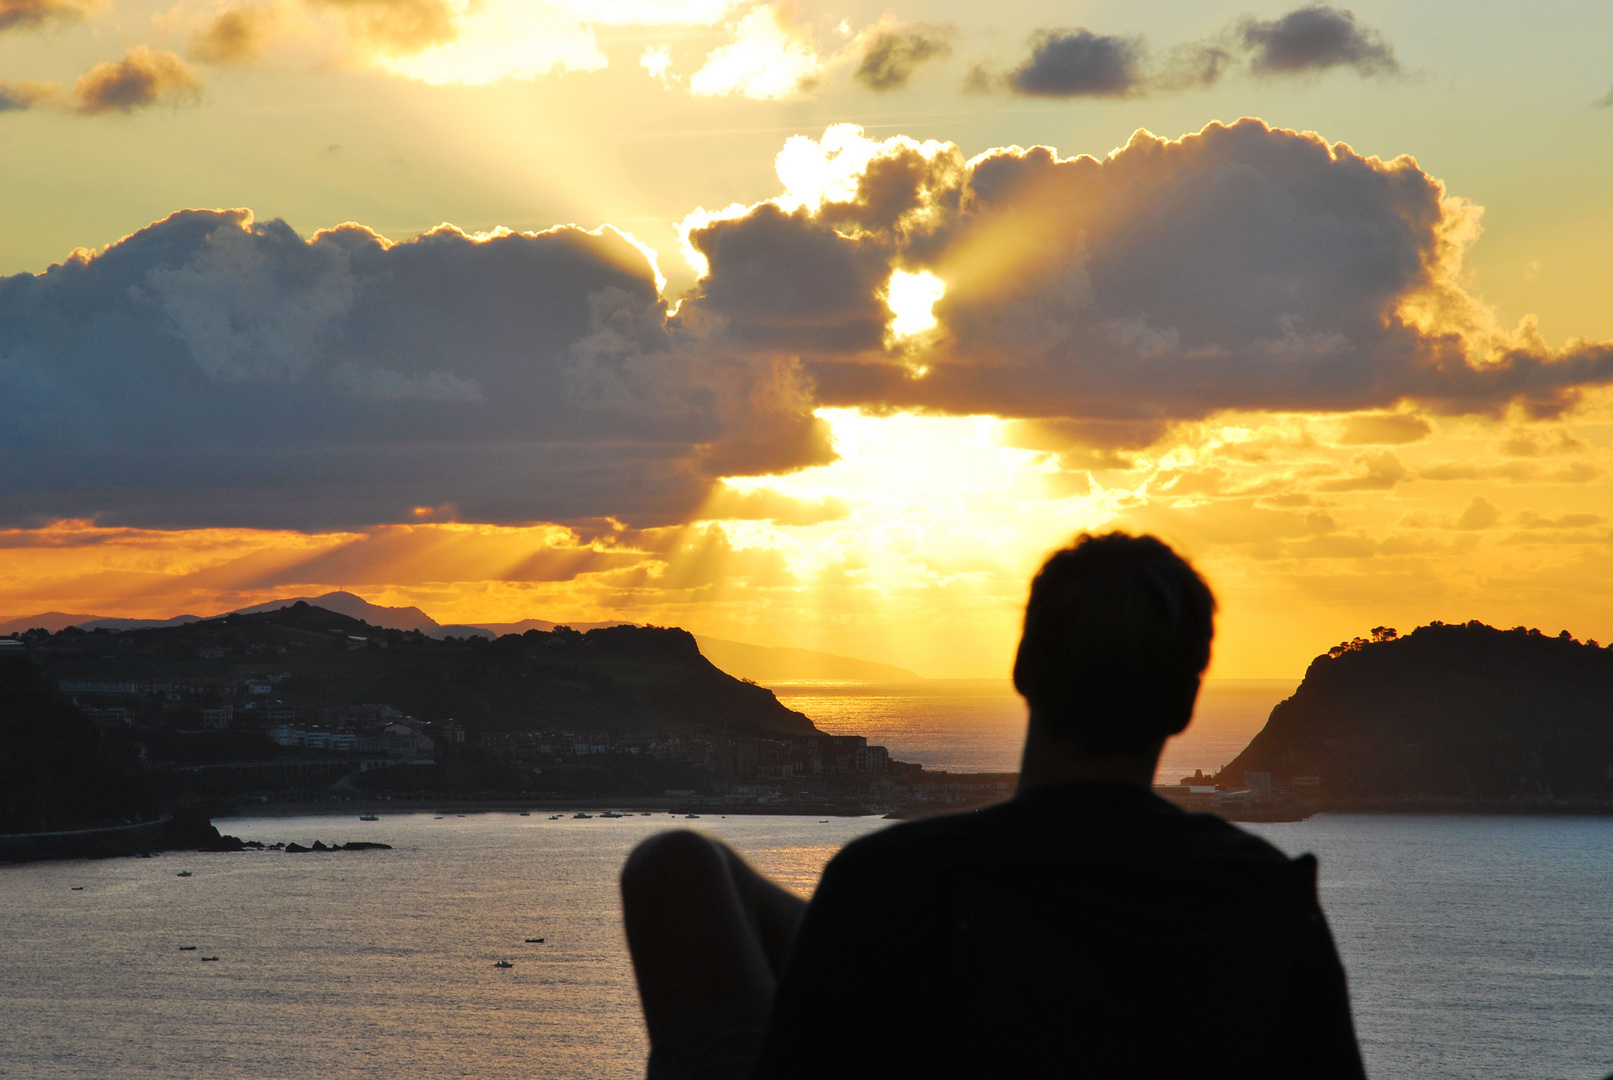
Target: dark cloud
(1079, 63)
(1312, 39)
(144, 76)
(1238, 268)
(210, 370)
(786, 281)
(399, 27)
(25, 14)
(893, 55)
(235, 35)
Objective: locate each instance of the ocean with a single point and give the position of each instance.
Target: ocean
(978, 725)
(1475, 946)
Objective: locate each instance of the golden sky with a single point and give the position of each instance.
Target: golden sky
(774, 322)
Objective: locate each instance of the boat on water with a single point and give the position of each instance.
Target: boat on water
(612, 813)
(368, 817)
(205, 959)
(525, 814)
(78, 888)
(580, 814)
(534, 941)
(187, 948)
(183, 873)
(691, 816)
(503, 964)
(556, 817)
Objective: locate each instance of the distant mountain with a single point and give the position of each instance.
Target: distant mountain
(1449, 716)
(356, 607)
(765, 665)
(344, 603)
(55, 621)
(759, 663)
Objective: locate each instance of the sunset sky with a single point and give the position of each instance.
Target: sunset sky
(811, 325)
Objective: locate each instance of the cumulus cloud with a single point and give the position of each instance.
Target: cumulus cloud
(397, 27)
(215, 370)
(769, 58)
(1078, 63)
(1312, 39)
(458, 42)
(235, 35)
(894, 53)
(1242, 267)
(144, 76)
(25, 14)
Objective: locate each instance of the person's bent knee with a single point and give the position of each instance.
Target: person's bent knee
(669, 859)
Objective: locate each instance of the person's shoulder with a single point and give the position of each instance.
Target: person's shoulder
(1216, 835)
(895, 848)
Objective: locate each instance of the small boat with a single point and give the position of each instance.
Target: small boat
(612, 813)
(183, 873)
(503, 964)
(187, 948)
(580, 814)
(556, 817)
(368, 817)
(644, 813)
(78, 888)
(823, 821)
(205, 959)
(691, 816)
(525, 814)
(534, 941)
(437, 818)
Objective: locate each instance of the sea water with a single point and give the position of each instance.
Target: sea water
(978, 725)
(1475, 946)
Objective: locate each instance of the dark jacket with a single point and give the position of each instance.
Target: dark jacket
(1077, 930)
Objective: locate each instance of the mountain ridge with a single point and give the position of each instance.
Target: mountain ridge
(760, 663)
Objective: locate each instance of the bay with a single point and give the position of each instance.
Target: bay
(978, 725)
(1475, 947)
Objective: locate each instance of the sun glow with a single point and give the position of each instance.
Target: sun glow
(940, 521)
(912, 298)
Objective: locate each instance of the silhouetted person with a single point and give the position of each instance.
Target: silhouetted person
(1086, 927)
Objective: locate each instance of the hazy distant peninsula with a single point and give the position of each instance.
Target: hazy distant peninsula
(1450, 716)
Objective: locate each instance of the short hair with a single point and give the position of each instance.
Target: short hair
(1117, 635)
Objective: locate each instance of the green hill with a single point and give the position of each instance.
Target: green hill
(1455, 715)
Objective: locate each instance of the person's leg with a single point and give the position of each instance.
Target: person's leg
(703, 928)
(774, 912)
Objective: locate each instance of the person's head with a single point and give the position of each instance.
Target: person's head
(1117, 634)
